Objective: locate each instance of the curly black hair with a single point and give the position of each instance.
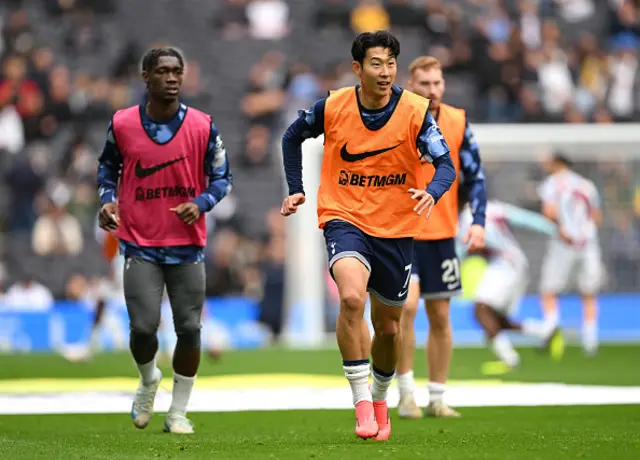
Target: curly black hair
(150, 59)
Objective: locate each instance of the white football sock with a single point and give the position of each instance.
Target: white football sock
(406, 383)
(182, 387)
(436, 391)
(380, 385)
(537, 328)
(358, 377)
(505, 351)
(552, 319)
(149, 372)
(590, 336)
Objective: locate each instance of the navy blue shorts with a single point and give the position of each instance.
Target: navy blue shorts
(436, 266)
(388, 259)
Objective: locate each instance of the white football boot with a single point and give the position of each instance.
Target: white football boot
(178, 423)
(142, 408)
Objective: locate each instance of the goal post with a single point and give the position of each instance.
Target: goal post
(511, 153)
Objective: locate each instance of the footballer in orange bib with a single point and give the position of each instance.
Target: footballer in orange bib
(435, 265)
(376, 137)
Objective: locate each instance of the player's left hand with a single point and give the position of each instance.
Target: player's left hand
(425, 201)
(188, 212)
(475, 238)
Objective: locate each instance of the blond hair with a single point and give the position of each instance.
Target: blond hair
(424, 63)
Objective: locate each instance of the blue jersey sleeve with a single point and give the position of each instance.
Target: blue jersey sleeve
(473, 176)
(216, 167)
(109, 168)
(309, 124)
(434, 149)
(529, 220)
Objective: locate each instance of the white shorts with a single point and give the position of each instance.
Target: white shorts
(562, 260)
(502, 287)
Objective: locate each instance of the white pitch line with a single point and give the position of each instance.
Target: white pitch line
(544, 394)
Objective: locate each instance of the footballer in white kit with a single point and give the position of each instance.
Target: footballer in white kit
(505, 280)
(572, 202)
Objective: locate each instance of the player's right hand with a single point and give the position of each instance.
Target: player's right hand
(564, 236)
(109, 217)
(425, 201)
(291, 203)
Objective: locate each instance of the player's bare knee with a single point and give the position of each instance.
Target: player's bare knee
(352, 303)
(410, 308)
(438, 313)
(386, 326)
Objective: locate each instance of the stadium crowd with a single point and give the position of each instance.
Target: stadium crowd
(511, 61)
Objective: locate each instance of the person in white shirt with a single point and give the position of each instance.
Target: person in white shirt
(504, 282)
(28, 295)
(572, 202)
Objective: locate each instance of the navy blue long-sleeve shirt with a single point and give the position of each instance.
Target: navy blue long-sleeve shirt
(216, 167)
(472, 176)
(310, 124)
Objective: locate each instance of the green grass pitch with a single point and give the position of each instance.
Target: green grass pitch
(559, 432)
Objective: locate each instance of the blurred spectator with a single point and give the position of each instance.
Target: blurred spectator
(258, 145)
(622, 98)
(83, 33)
(28, 294)
(16, 86)
(625, 251)
(304, 88)
(231, 20)
(592, 74)
(192, 93)
(530, 24)
(42, 62)
(78, 163)
(224, 273)
(265, 98)
(268, 19)
(554, 74)
(332, 15)
(369, 16)
(402, 14)
(57, 231)
(18, 35)
(11, 130)
(26, 178)
(272, 303)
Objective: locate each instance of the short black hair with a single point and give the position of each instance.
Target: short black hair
(562, 158)
(366, 40)
(150, 59)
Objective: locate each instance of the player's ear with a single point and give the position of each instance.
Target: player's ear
(145, 76)
(356, 67)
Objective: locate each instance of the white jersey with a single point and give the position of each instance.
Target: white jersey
(505, 279)
(575, 199)
(500, 242)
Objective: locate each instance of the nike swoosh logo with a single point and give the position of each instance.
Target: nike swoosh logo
(146, 172)
(400, 294)
(351, 157)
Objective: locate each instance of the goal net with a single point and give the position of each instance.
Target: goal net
(511, 154)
